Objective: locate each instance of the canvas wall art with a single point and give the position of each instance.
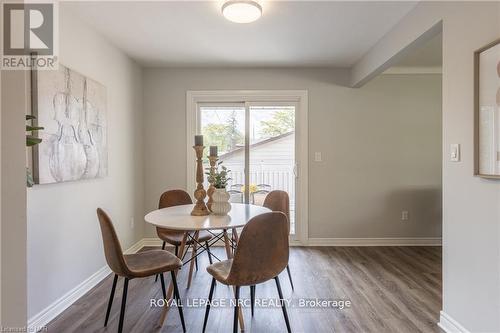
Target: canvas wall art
(72, 109)
(487, 114)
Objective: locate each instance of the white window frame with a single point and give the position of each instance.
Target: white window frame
(300, 97)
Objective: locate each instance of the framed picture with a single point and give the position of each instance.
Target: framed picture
(72, 109)
(487, 111)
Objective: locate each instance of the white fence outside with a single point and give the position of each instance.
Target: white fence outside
(277, 176)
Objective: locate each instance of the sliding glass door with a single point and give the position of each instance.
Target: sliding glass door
(256, 142)
(271, 154)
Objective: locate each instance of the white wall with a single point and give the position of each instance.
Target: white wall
(471, 205)
(64, 241)
(1, 41)
(381, 145)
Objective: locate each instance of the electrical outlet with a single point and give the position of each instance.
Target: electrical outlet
(405, 215)
(132, 224)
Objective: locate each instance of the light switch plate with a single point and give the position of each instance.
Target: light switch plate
(318, 157)
(455, 152)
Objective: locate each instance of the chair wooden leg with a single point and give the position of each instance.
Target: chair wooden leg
(289, 275)
(110, 302)
(236, 307)
(163, 248)
(193, 258)
(124, 301)
(252, 298)
(282, 304)
(207, 310)
(176, 251)
(163, 290)
(177, 296)
(209, 253)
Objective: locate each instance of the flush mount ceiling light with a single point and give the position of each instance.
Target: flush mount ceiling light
(240, 11)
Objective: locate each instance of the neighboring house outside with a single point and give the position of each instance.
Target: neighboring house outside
(272, 162)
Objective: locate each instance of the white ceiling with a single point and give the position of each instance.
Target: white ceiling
(300, 33)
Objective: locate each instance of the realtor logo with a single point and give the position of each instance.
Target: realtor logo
(28, 37)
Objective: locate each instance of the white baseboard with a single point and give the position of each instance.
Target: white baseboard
(157, 242)
(41, 319)
(53, 310)
(424, 241)
(136, 247)
(151, 242)
(450, 325)
(419, 241)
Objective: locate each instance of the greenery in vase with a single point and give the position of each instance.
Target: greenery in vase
(31, 141)
(218, 179)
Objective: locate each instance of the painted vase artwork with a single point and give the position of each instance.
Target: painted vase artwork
(72, 108)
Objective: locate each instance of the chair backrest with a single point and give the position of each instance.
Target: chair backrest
(112, 248)
(236, 187)
(278, 201)
(174, 198)
(169, 199)
(264, 187)
(262, 251)
(235, 196)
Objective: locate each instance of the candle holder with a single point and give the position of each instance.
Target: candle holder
(200, 209)
(211, 189)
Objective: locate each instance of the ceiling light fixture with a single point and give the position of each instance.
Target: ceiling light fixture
(240, 11)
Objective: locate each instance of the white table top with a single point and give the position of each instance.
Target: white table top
(180, 218)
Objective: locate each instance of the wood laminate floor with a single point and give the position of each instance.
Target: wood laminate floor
(391, 289)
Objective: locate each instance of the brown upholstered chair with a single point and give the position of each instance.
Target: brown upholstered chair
(262, 254)
(131, 266)
(176, 198)
(278, 201)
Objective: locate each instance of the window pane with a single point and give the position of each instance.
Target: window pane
(272, 154)
(224, 127)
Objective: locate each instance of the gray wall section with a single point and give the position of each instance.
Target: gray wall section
(381, 145)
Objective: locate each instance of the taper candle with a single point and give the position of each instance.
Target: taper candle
(213, 151)
(198, 140)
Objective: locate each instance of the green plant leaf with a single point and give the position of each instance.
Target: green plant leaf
(32, 141)
(30, 117)
(33, 128)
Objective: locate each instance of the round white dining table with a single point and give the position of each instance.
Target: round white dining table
(180, 218)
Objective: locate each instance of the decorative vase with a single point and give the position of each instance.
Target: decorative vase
(220, 204)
